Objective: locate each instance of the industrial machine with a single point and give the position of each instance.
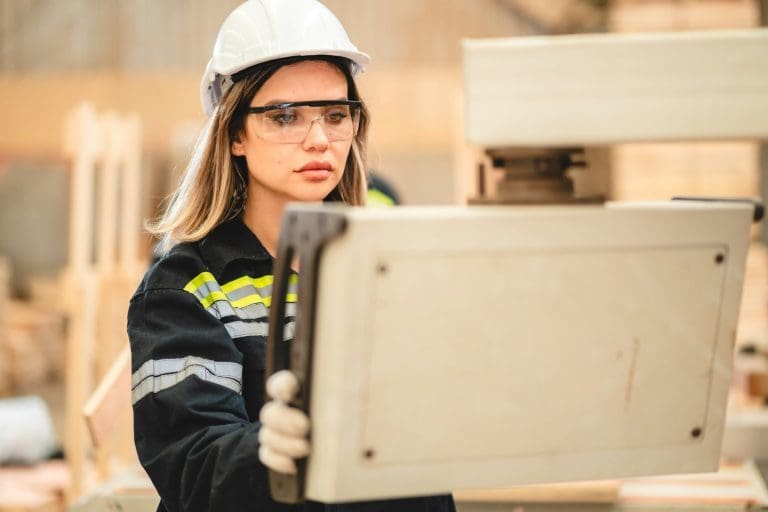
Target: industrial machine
(556, 337)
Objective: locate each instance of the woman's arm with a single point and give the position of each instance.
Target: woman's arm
(191, 427)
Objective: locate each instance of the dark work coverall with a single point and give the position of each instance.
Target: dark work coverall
(198, 326)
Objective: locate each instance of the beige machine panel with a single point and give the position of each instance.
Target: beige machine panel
(568, 359)
(481, 347)
(597, 89)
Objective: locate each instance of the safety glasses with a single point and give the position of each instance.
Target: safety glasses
(288, 123)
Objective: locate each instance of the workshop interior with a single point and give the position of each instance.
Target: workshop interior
(566, 197)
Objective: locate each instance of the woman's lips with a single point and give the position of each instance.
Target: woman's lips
(315, 166)
(315, 171)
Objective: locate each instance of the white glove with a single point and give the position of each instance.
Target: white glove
(284, 429)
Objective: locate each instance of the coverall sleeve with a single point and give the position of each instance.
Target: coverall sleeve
(192, 432)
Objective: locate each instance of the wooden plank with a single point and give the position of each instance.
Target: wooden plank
(130, 215)
(576, 492)
(112, 397)
(108, 192)
(738, 483)
(83, 142)
(609, 88)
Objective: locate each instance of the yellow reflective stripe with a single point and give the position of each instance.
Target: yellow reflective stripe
(258, 282)
(197, 282)
(255, 298)
(213, 297)
(248, 300)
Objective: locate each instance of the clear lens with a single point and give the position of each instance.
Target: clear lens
(292, 123)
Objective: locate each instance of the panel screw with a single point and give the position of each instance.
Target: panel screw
(719, 258)
(696, 432)
(382, 268)
(369, 453)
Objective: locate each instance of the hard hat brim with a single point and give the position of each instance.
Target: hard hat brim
(359, 59)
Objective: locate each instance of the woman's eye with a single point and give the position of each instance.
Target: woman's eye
(282, 117)
(336, 116)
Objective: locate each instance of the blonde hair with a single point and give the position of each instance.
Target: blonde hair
(212, 189)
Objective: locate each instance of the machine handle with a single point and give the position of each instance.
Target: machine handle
(757, 204)
(305, 232)
(283, 487)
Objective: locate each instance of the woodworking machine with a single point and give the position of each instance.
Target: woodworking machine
(542, 334)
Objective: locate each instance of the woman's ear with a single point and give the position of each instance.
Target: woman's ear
(237, 148)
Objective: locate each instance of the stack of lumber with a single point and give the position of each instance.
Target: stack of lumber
(45, 295)
(33, 345)
(32, 336)
(38, 488)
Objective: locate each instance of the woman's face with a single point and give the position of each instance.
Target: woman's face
(307, 170)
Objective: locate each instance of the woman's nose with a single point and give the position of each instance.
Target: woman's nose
(316, 137)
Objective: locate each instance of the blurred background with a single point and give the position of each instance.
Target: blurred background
(144, 59)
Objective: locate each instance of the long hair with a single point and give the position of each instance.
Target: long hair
(212, 189)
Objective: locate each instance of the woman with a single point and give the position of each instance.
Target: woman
(286, 124)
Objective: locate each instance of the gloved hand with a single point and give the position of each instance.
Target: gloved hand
(284, 429)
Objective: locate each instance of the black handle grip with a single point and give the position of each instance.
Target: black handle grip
(304, 231)
(284, 487)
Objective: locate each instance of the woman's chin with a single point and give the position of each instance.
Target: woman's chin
(314, 194)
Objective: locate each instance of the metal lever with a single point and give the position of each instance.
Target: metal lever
(306, 233)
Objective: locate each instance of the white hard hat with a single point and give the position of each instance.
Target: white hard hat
(263, 30)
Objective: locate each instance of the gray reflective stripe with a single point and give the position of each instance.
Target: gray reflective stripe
(222, 309)
(238, 329)
(249, 289)
(158, 374)
(205, 289)
(258, 311)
